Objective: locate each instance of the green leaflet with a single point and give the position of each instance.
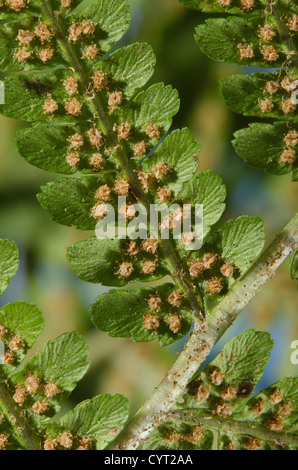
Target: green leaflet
(21, 323)
(206, 189)
(179, 436)
(265, 35)
(244, 358)
(99, 261)
(249, 95)
(155, 105)
(130, 66)
(113, 17)
(234, 40)
(227, 253)
(143, 314)
(46, 147)
(8, 263)
(218, 399)
(94, 260)
(27, 97)
(262, 145)
(151, 113)
(180, 152)
(70, 201)
(62, 362)
(230, 378)
(30, 396)
(99, 419)
(241, 241)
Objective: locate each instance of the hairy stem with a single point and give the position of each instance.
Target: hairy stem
(13, 413)
(204, 337)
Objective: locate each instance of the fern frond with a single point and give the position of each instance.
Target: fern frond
(89, 115)
(219, 399)
(30, 396)
(264, 34)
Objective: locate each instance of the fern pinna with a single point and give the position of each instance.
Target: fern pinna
(265, 34)
(90, 119)
(31, 396)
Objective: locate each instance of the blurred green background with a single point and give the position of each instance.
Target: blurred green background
(45, 277)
